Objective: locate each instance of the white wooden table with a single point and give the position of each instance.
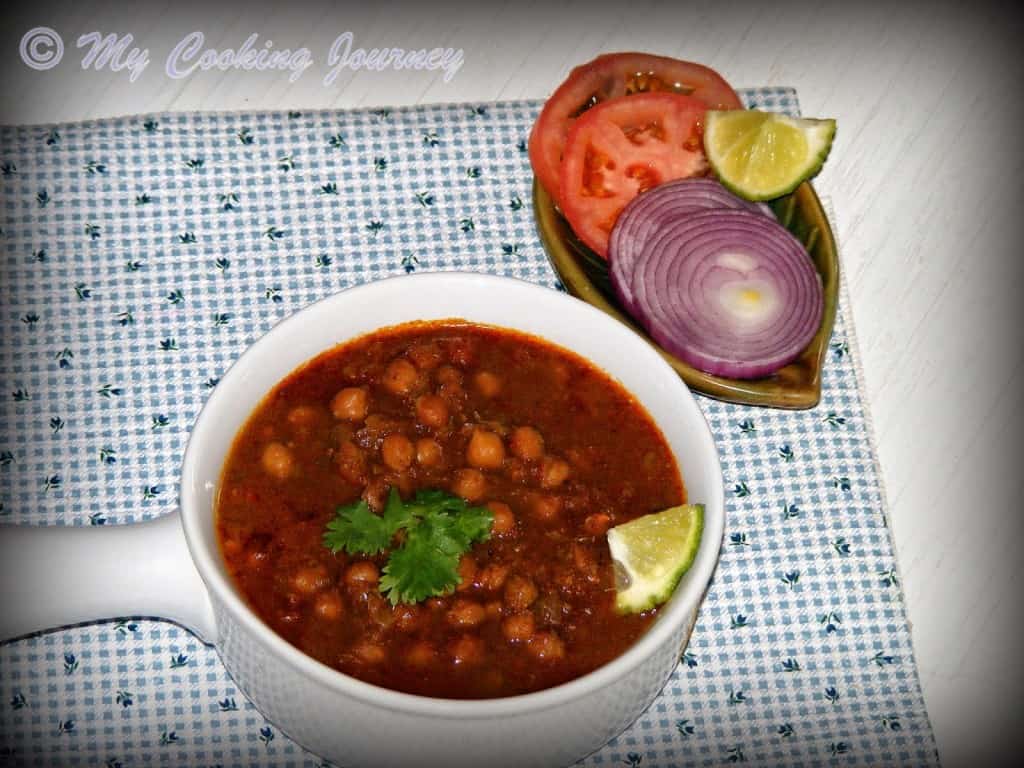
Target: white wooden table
(924, 177)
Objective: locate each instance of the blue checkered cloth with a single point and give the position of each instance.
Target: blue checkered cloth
(142, 255)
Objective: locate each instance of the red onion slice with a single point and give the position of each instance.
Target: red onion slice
(652, 210)
(730, 292)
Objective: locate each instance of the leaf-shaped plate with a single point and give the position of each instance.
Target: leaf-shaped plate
(797, 385)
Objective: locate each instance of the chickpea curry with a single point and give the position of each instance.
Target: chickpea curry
(425, 509)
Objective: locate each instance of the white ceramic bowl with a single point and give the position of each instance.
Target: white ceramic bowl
(338, 717)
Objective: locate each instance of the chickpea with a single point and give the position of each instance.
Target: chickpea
(449, 375)
(470, 484)
(452, 393)
(398, 452)
(256, 558)
(467, 650)
(370, 652)
(351, 463)
(485, 450)
(467, 570)
(428, 452)
(520, 592)
(492, 577)
(376, 492)
(597, 524)
(526, 443)
(504, 519)
(546, 508)
(550, 610)
(310, 579)
(487, 384)
(462, 352)
(553, 472)
(231, 547)
(350, 404)
(518, 628)
(431, 411)
(420, 654)
(277, 460)
(328, 606)
(362, 574)
(400, 377)
(584, 562)
(302, 416)
(425, 356)
(379, 610)
(546, 646)
(408, 617)
(466, 614)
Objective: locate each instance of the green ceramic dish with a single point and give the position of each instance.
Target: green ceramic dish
(797, 385)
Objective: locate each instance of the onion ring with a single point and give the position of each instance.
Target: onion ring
(730, 292)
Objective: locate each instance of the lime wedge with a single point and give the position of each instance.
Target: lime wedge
(652, 553)
(764, 155)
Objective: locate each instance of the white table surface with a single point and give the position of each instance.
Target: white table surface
(924, 177)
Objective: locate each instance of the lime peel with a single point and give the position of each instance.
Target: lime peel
(652, 553)
(764, 155)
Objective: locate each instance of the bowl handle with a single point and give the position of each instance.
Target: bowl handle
(54, 576)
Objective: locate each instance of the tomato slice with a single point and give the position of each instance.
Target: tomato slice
(624, 147)
(608, 77)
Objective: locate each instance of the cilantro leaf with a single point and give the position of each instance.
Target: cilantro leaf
(358, 531)
(396, 513)
(439, 528)
(431, 502)
(425, 565)
(472, 524)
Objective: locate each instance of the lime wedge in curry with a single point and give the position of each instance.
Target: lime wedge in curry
(652, 553)
(764, 155)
